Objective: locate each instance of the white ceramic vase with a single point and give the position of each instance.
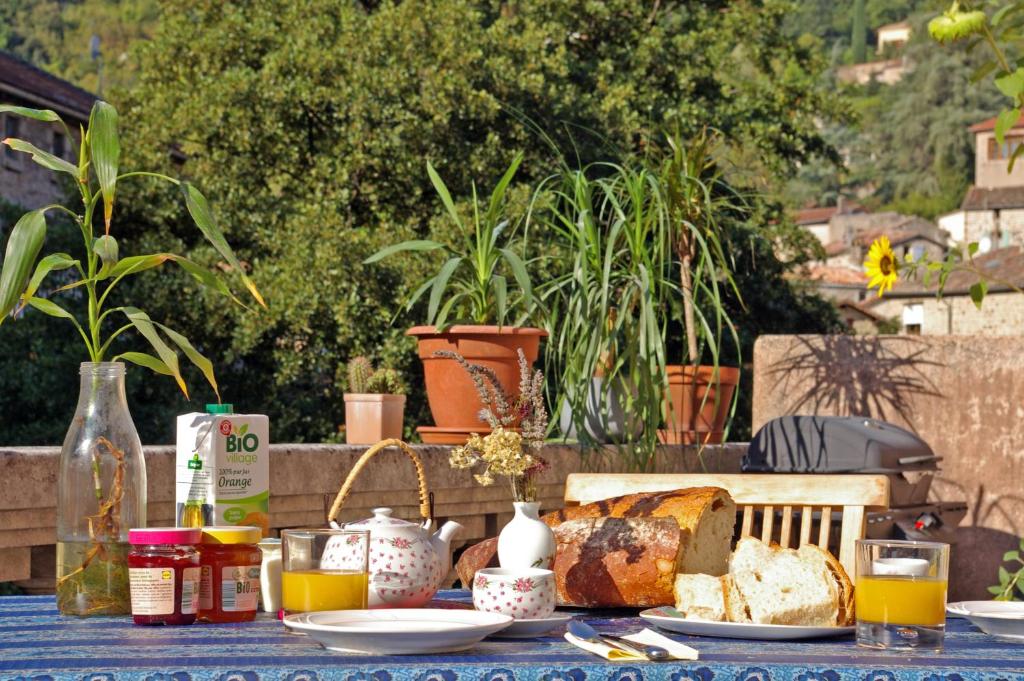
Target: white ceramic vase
(526, 541)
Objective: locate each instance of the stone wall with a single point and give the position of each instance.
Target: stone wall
(1002, 314)
(301, 477)
(22, 181)
(964, 395)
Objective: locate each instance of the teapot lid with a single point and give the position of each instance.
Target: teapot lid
(382, 518)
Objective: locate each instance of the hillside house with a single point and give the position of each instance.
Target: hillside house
(992, 212)
(919, 311)
(890, 65)
(22, 181)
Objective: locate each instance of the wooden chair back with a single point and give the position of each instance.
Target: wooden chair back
(780, 498)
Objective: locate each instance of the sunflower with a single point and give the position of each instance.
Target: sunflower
(881, 265)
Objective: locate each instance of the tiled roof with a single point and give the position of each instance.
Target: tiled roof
(836, 275)
(835, 248)
(899, 236)
(862, 308)
(1005, 264)
(989, 124)
(21, 80)
(979, 198)
(893, 26)
(819, 214)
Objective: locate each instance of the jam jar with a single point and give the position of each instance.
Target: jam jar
(229, 585)
(163, 574)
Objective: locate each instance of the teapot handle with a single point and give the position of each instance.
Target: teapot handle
(424, 495)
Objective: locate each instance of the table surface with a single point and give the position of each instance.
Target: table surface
(36, 643)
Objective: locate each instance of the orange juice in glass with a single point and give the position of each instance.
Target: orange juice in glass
(324, 569)
(901, 594)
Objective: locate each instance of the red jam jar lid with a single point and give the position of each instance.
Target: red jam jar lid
(164, 535)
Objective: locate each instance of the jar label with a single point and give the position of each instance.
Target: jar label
(152, 590)
(206, 588)
(189, 590)
(240, 588)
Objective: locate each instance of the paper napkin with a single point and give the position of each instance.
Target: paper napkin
(676, 650)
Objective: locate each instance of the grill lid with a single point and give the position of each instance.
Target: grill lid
(836, 444)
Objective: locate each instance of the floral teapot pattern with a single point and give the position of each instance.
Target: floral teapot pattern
(407, 564)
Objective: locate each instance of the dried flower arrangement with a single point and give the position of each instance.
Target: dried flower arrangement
(518, 427)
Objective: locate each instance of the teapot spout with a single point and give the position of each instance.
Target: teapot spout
(442, 542)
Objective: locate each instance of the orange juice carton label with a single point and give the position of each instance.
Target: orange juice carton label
(222, 470)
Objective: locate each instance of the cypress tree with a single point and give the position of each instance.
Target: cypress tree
(859, 37)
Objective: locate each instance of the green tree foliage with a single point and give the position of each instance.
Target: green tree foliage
(57, 34)
(311, 125)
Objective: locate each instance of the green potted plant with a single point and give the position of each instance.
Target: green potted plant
(606, 302)
(478, 299)
(374, 403)
(101, 485)
(700, 396)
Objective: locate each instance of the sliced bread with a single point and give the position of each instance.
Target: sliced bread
(790, 588)
(700, 597)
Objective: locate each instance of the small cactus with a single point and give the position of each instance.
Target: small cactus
(360, 371)
(386, 381)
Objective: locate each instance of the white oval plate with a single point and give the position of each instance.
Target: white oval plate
(761, 632)
(398, 631)
(1004, 619)
(533, 627)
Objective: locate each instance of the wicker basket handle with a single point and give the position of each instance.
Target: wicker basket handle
(343, 493)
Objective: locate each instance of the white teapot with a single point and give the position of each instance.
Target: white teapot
(407, 563)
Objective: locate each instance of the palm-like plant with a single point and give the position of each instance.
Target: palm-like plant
(101, 269)
(471, 285)
(607, 303)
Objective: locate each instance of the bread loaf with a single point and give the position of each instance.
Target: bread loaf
(616, 561)
(705, 516)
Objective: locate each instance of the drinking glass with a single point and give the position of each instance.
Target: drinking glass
(324, 569)
(901, 594)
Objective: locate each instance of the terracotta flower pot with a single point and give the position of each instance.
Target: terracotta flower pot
(683, 423)
(454, 403)
(370, 417)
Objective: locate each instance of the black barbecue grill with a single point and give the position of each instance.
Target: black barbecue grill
(856, 444)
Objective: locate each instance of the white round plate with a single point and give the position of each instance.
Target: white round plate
(762, 632)
(530, 628)
(1004, 619)
(398, 631)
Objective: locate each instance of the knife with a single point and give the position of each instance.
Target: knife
(584, 631)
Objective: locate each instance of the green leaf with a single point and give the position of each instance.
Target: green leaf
(199, 209)
(105, 151)
(22, 250)
(982, 71)
(1004, 576)
(500, 296)
(1017, 151)
(439, 286)
(1022, 543)
(978, 291)
(204, 365)
(144, 325)
(147, 361)
(106, 247)
(446, 197)
(972, 248)
(996, 590)
(204, 277)
(43, 158)
(498, 195)
(243, 429)
(49, 307)
(1001, 13)
(52, 262)
(416, 245)
(520, 273)
(1012, 84)
(1011, 555)
(37, 114)
(1005, 121)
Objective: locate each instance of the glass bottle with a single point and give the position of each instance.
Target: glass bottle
(101, 493)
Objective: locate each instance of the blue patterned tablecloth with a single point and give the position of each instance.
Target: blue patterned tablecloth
(37, 644)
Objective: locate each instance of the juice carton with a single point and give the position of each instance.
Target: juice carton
(222, 469)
